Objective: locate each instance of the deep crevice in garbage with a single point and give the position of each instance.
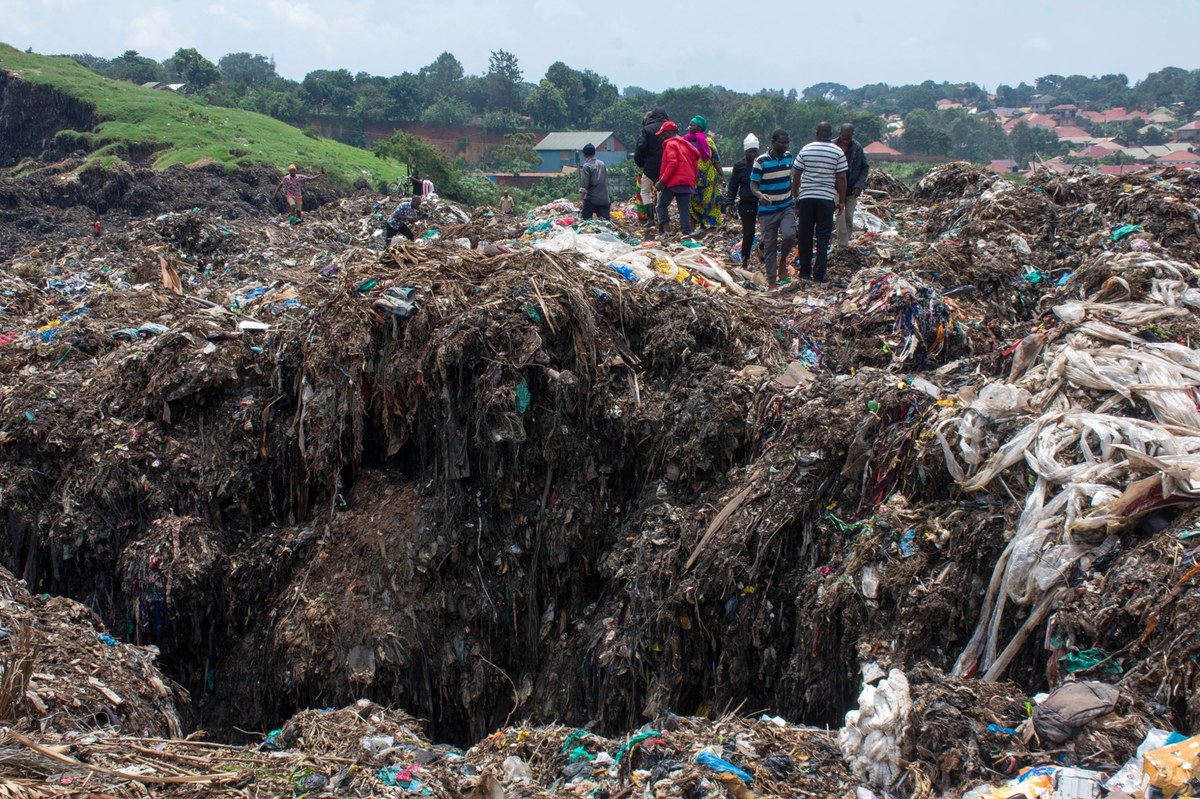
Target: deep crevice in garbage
(546, 494)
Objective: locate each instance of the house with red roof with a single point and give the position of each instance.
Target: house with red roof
(1098, 151)
(1032, 120)
(1181, 158)
(879, 148)
(1005, 165)
(1123, 169)
(1073, 134)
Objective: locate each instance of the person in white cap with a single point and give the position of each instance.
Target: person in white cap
(741, 193)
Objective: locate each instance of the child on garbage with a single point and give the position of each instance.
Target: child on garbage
(292, 185)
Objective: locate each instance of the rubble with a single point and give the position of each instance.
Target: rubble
(539, 469)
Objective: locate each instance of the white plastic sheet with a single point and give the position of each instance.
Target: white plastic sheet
(1093, 465)
(871, 737)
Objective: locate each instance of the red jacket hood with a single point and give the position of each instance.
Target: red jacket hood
(679, 163)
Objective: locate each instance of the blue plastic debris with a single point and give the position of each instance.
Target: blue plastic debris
(720, 764)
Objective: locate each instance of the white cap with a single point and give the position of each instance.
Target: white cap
(750, 143)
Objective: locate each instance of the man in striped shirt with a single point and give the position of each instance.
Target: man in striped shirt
(770, 178)
(819, 189)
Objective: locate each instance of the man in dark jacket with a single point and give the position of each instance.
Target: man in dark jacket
(742, 193)
(856, 180)
(647, 154)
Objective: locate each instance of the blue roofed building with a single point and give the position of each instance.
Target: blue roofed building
(565, 149)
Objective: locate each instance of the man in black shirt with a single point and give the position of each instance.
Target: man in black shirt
(856, 181)
(647, 154)
(741, 193)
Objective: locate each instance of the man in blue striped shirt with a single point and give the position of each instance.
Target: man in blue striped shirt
(771, 183)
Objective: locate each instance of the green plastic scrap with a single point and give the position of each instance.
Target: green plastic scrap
(634, 741)
(1124, 231)
(580, 753)
(532, 312)
(574, 738)
(1091, 660)
(523, 396)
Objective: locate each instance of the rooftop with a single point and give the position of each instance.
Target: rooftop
(572, 139)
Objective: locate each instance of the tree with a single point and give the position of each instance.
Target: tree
(404, 91)
(503, 80)
(974, 139)
(1028, 142)
(329, 91)
(546, 105)
(570, 86)
(623, 118)
(194, 69)
(419, 155)
(922, 136)
(758, 116)
(684, 103)
(136, 68)
(1014, 97)
(244, 68)
(834, 92)
(517, 154)
(94, 63)
(446, 111)
(442, 79)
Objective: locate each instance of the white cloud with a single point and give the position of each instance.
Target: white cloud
(349, 19)
(153, 32)
(218, 10)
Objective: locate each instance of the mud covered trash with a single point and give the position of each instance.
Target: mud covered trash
(62, 672)
(365, 750)
(534, 470)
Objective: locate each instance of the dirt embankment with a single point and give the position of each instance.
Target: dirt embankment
(30, 117)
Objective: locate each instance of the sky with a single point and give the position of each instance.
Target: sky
(655, 45)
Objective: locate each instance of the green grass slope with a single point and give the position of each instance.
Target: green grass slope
(185, 131)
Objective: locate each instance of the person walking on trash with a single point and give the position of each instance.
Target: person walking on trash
(740, 195)
(647, 154)
(507, 204)
(676, 179)
(819, 190)
(292, 184)
(593, 185)
(770, 182)
(856, 180)
(398, 223)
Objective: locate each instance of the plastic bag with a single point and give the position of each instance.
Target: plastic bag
(516, 769)
(1171, 768)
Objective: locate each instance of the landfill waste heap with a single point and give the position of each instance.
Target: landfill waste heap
(550, 508)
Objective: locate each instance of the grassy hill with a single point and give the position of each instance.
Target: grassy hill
(184, 131)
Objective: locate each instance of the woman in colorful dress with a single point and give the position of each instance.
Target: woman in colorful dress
(706, 200)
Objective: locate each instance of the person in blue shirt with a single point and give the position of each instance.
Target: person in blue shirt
(771, 184)
(397, 223)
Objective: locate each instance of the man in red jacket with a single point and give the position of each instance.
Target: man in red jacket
(677, 178)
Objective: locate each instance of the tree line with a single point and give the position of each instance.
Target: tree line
(442, 93)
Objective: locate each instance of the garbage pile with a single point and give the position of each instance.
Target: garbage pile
(542, 469)
(366, 750)
(61, 671)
